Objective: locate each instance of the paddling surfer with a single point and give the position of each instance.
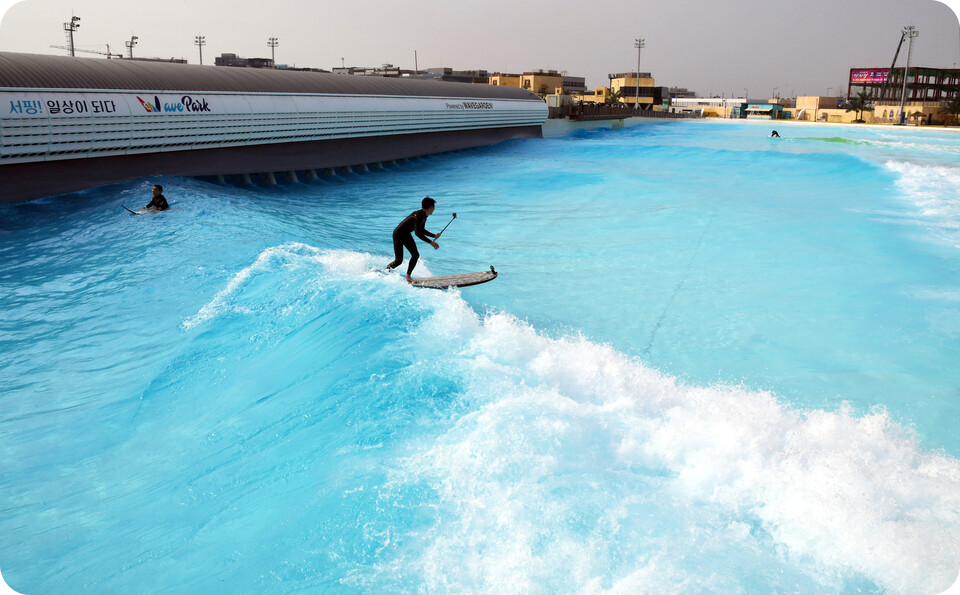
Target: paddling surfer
(159, 201)
(413, 224)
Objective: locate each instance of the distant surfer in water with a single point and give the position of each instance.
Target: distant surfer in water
(774, 134)
(159, 201)
(413, 224)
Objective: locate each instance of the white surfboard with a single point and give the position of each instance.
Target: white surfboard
(462, 280)
(141, 211)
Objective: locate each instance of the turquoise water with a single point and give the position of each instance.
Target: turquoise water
(712, 362)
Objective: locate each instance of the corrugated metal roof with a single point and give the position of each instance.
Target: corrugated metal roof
(64, 72)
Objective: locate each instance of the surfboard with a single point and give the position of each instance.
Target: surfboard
(462, 280)
(141, 211)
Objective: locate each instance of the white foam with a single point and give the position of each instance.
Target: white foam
(575, 455)
(341, 263)
(936, 190)
(580, 469)
(265, 260)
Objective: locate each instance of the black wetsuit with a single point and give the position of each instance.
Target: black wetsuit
(159, 203)
(414, 223)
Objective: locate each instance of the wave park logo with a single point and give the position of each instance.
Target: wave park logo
(186, 104)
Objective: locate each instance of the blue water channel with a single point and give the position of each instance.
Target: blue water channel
(712, 362)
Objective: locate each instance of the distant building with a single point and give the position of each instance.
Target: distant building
(761, 111)
(574, 84)
(164, 60)
(681, 93)
(479, 77)
(238, 62)
(301, 69)
(820, 109)
(501, 79)
(384, 70)
(926, 90)
(923, 84)
(597, 96)
(626, 84)
(542, 82)
(708, 107)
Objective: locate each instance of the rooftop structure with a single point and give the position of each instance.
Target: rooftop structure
(923, 83)
(73, 123)
(237, 61)
(626, 84)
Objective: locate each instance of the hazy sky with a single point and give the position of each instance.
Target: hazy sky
(709, 46)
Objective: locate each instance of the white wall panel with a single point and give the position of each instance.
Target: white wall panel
(53, 124)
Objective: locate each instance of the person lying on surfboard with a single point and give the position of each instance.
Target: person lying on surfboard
(413, 224)
(159, 201)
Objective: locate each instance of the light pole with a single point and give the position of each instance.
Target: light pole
(638, 43)
(70, 27)
(912, 33)
(130, 44)
(200, 41)
(273, 42)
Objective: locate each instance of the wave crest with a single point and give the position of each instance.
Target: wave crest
(579, 457)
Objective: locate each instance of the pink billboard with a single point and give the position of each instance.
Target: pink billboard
(868, 76)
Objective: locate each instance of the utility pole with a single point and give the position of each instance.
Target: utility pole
(911, 33)
(130, 44)
(638, 43)
(273, 42)
(70, 27)
(200, 41)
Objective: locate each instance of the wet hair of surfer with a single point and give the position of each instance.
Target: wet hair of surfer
(412, 225)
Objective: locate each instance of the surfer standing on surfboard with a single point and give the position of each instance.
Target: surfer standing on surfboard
(159, 201)
(413, 224)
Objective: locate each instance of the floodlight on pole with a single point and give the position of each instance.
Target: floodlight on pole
(911, 33)
(130, 44)
(638, 43)
(200, 41)
(70, 27)
(273, 42)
